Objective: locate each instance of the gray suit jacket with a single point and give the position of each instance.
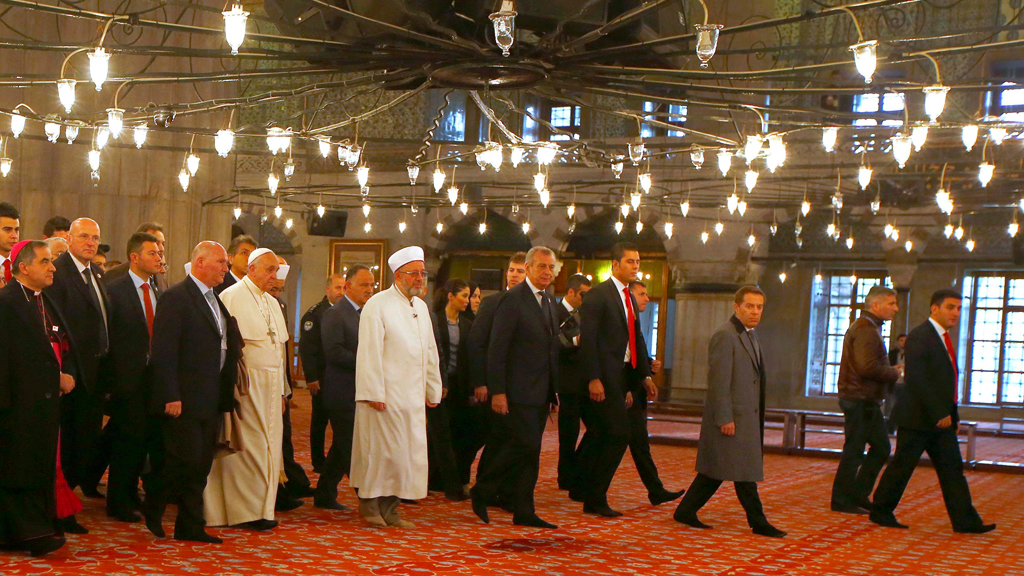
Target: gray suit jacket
(736, 386)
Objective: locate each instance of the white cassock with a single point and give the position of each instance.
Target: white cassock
(397, 364)
(242, 487)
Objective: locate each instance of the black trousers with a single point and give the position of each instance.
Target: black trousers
(704, 487)
(470, 425)
(318, 431)
(189, 446)
(127, 432)
(82, 424)
(640, 448)
(944, 452)
(568, 437)
(857, 472)
(443, 472)
(298, 482)
(603, 445)
(515, 465)
(339, 458)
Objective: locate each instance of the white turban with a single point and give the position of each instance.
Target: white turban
(404, 256)
(257, 253)
(188, 268)
(282, 272)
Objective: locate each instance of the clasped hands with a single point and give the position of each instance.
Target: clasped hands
(596, 389)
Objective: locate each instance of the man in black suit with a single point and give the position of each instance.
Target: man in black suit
(570, 377)
(339, 331)
(82, 297)
(10, 234)
(32, 379)
(133, 304)
(522, 372)
(195, 352)
(615, 362)
(238, 252)
(928, 421)
(311, 350)
(158, 280)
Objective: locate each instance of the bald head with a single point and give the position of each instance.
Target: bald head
(85, 239)
(209, 262)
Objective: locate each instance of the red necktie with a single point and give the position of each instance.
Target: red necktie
(7, 271)
(632, 327)
(956, 370)
(149, 309)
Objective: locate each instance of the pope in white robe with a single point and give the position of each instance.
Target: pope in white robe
(242, 487)
(397, 376)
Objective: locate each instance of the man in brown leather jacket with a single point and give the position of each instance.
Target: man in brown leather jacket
(865, 377)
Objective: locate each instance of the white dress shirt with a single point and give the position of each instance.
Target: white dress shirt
(537, 292)
(619, 287)
(142, 295)
(942, 336)
(95, 286)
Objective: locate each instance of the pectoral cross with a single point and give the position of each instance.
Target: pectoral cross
(272, 334)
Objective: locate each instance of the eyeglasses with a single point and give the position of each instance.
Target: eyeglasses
(420, 273)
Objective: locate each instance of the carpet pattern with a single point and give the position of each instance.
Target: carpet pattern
(449, 540)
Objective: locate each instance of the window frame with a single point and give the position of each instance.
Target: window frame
(968, 339)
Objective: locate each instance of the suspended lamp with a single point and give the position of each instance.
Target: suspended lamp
(634, 200)
(645, 182)
(515, 156)
(668, 229)
(732, 202)
(545, 197)
(546, 152)
(997, 134)
(453, 194)
(324, 144)
(17, 123)
(367, 227)
(697, 156)
(750, 180)
(363, 175)
(829, 137)
(901, 145)
(934, 101)
(969, 135)
(139, 134)
(752, 148)
(636, 151)
(115, 121)
(223, 142)
(639, 226)
(272, 183)
(504, 22)
(413, 171)
(724, 161)
(5, 166)
(539, 181)
(526, 227)
(865, 58)
(183, 179)
(66, 92)
(94, 159)
(985, 173)
(618, 226)
(366, 209)
(439, 177)
(102, 135)
(617, 166)
(918, 136)
(707, 41)
(234, 26)
(464, 208)
(99, 66)
(52, 131)
(192, 163)
(571, 210)
(864, 176)
(320, 210)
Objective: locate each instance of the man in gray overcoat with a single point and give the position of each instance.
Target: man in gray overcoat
(732, 431)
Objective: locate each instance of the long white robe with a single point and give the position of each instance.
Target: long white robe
(242, 487)
(397, 364)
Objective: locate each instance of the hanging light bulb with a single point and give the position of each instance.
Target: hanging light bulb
(70, 133)
(320, 210)
(539, 181)
(355, 152)
(453, 194)
(645, 182)
(17, 123)
(969, 135)
(684, 207)
(948, 230)
(895, 235)
(545, 197)
(970, 244)
(624, 209)
(115, 121)
(439, 227)
(183, 179)
(888, 229)
(639, 226)
(909, 245)
(504, 22)
(901, 145)
(668, 229)
(278, 211)
(617, 166)
(774, 228)
(272, 182)
(742, 207)
(413, 171)
(724, 161)
(830, 230)
(439, 177)
(99, 65)
(618, 226)
(324, 143)
(401, 227)
(752, 148)
(481, 158)
(732, 202)
(934, 101)
(363, 175)
(102, 136)
(782, 277)
(546, 152)
(139, 134)
(959, 232)
(5, 166)
(829, 137)
(704, 236)
(1013, 228)
(237, 212)
(750, 180)
(697, 156)
(288, 224)
(805, 207)
(719, 228)
(634, 200)
(776, 152)
(414, 209)
(515, 155)
(94, 160)
(864, 176)
(918, 136)
(278, 139)
(66, 93)
(997, 134)
(192, 163)
(515, 208)
(876, 204)
(367, 227)
(571, 210)
(985, 173)
(751, 240)
(837, 200)
(798, 228)
(464, 208)
(707, 41)
(799, 242)
(234, 26)
(865, 58)
(224, 141)
(52, 131)
(944, 201)
(636, 151)
(526, 227)
(493, 155)
(849, 242)
(366, 209)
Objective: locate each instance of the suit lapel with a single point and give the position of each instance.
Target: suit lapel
(618, 302)
(204, 307)
(76, 278)
(741, 334)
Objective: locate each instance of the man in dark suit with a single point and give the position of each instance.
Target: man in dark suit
(522, 371)
(133, 304)
(340, 336)
(238, 252)
(10, 234)
(157, 280)
(195, 352)
(311, 350)
(37, 366)
(732, 431)
(82, 297)
(928, 421)
(615, 362)
(865, 378)
(570, 377)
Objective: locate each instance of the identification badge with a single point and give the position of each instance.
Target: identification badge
(308, 325)
(56, 329)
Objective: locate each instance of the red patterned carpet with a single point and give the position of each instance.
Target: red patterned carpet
(449, 539)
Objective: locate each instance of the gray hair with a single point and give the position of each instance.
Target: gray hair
(876, 293)
(540, 250)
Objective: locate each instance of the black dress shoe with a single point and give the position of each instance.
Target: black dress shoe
(480, 507)
(691, 521)
(458, 496)
(850, 509)
(331, 505)
(302, 492)
(124, 515)
(202, 537)
(408, 501)
(976, 529)
(664, 496)
(287, 503)
(43, 546)
(889, 521)
(769, 531)
(71, 526)
(576, 496)
(155, 524)
(602, 510)
(261, 525)
(92, 492)
(533, 521)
